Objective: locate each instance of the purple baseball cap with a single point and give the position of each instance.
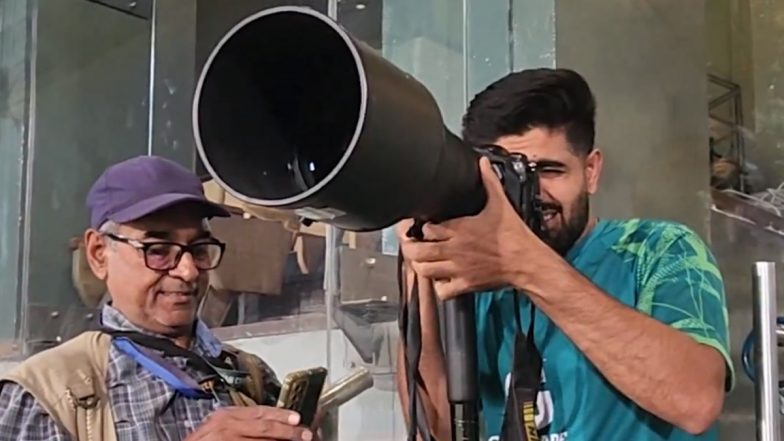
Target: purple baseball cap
(139, 186)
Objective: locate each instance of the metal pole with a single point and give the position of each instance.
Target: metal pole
(151, 85)
(766, 362)
(333, 240)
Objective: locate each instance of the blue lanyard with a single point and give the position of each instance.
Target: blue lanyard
(162, 369)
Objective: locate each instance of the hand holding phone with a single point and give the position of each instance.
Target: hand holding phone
(251, 422)
(301, 391)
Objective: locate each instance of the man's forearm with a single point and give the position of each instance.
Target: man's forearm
(431, 365)
(661, 369)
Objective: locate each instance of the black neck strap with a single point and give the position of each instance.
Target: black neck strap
(519, 321)
(207, 365)
(519, 423)
(411, 335)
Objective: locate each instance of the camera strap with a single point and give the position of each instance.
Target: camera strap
(162, 369)
(141, 348)
(411, 336)
(519, 422)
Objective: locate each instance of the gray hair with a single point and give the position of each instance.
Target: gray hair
(109, 227)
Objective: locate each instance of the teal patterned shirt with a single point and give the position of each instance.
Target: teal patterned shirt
(662, 269)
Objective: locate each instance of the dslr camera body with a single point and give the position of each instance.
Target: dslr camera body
(520, 180)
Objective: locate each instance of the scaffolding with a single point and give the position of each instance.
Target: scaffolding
(725, 112)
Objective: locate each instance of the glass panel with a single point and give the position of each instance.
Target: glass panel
(89, 88)
(14, 46)
(490, 45)
(173, 80)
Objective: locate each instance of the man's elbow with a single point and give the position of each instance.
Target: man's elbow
(703, 412)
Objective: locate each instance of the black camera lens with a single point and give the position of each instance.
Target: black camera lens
(282, 114)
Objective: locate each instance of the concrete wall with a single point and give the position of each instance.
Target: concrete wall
(718, 37)
(645, 63)
(767, 39)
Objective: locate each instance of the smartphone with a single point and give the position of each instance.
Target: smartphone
(301, 391)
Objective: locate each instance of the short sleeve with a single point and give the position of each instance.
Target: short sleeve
(681, 285)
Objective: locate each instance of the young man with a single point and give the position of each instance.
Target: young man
(150, 243)
(630, 315)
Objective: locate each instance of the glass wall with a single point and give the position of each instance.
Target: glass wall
(76, 74)
(690, 112)
(14, 94)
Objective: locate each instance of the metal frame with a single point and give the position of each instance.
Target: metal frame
(766, 386)
(732, 95)
(23, 296)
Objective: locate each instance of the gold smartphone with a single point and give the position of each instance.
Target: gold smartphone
(301, 391)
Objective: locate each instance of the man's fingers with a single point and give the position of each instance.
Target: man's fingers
(271, 429)
(436, 232)
(423, 251)
(444, 269)
(255, 422)
(493, 187)
(431, 232)
(450, 288)
(280, 415)
(402, 228)
(489, 177)
(260, 412)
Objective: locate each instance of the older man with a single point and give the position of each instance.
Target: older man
(167, 376)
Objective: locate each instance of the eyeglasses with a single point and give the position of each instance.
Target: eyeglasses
(165, 256)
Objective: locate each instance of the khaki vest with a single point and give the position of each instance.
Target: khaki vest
(69, 382)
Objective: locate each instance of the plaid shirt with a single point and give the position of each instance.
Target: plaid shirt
(144, 406)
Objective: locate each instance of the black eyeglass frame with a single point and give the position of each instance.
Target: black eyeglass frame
(183, 248)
